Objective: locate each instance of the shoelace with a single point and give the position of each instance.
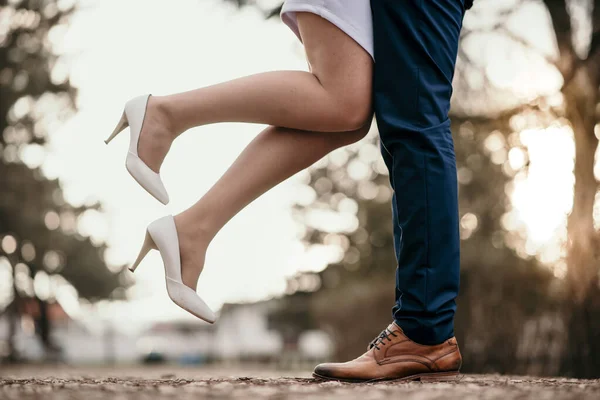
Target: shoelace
(385, 334)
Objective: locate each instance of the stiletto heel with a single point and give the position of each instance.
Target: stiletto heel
(146, 247)
(162, 235)
(133, 116)
(123, 123)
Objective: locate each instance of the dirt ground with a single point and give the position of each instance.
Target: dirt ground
(57, 383)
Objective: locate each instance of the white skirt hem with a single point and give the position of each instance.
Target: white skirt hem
(363, 36)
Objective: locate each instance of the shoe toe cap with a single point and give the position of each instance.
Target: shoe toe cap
(163, 197)
(324, 371)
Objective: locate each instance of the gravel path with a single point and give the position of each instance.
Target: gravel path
(176, 383)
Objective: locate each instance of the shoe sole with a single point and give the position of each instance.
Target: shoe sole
(428, 377)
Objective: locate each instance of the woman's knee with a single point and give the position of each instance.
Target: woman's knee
(341, 139)
(361, 132)
(355, 113)
(352, 98)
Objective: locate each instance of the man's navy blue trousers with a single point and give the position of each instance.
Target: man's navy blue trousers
(416, 43)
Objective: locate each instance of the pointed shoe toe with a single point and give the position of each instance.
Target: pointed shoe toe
(147, 179)
(189, 300)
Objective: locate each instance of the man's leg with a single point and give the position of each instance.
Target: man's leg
(416, 43)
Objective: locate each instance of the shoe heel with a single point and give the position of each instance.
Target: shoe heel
(121, 125)
(146, 247)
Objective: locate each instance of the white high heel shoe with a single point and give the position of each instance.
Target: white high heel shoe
(162, 235)
(133, 116)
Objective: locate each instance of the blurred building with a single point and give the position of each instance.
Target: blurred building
(248, 332)
(69, 340)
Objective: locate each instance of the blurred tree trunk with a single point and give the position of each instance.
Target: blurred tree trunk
(580, 91)
(583, 349)
(44, 329)
(13, 316)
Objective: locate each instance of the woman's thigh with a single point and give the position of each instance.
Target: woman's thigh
(342, 66)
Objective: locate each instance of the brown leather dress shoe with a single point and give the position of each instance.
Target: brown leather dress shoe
(392, 355)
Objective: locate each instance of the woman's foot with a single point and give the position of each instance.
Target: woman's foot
(157, 134)
(193, 243)
(162, 235)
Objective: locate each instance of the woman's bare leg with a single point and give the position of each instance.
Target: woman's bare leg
(273, 156)
(330, 98)
(341, 74)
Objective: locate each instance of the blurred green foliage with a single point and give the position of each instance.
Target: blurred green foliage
(38, 228)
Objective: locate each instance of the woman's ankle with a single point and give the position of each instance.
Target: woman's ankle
(193, 229)
(166, 112)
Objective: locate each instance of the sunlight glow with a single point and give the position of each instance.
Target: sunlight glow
(543, 197)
